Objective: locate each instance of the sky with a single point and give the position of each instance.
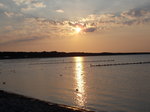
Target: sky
(75, 25)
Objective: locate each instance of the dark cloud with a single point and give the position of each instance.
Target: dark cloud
(136, 16)
(71, 24)
(47, 21)
(27, 39)
(135, 13)
(76, 24)
(89, 29)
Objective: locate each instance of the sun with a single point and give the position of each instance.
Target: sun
(78, 29)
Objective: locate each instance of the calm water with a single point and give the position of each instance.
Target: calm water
(71, 81)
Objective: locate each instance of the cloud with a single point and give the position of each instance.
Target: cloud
(2, 5)
(39, 5)
(27, 39)
(39, 28)
(20, 2)
(29, 5)
(9, 14)
(60, 11)
(8, 27)
(108, 21)
(20, 40)
(102, 22)
(27, 9)
(136, 16)
(135, 13)
(33, 6)
(89, 29)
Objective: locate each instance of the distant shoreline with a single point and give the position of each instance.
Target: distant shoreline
(53, 54)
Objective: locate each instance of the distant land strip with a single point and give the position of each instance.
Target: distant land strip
(44, 54)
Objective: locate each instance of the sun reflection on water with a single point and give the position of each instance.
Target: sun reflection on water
(80, 97)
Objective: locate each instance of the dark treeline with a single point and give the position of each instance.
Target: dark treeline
(44, 54)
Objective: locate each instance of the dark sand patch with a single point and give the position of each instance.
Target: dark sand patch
(10, 102)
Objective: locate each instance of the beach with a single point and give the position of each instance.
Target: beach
(10, 102)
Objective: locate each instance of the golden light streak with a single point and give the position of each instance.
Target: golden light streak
(80, 82)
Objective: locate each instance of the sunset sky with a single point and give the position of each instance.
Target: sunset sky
(75, 25)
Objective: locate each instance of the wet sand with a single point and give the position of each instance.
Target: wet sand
(10, 102)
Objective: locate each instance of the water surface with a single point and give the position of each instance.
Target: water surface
(72, 81)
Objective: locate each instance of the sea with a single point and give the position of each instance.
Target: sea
(119, 83)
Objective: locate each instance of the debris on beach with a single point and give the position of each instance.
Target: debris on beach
(13, 71)
(4, 83)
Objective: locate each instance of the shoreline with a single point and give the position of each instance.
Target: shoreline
(11, 102)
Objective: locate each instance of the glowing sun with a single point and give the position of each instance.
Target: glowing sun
(78, 29)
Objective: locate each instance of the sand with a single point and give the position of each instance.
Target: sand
(10, 102)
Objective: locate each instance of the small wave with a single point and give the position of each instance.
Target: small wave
(64, 62)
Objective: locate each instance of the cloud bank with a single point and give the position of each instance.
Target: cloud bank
(32, 28)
